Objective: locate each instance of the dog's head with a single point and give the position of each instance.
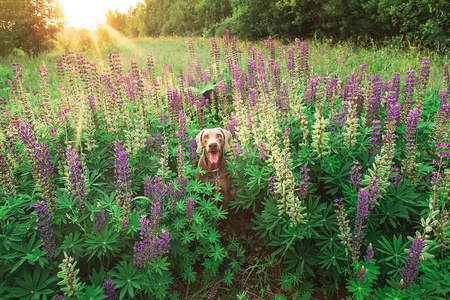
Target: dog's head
(213, 142)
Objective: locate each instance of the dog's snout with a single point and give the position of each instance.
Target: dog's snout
(213, 145)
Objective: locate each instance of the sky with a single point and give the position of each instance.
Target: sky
(88, 13)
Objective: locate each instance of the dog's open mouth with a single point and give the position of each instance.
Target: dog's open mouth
(213, 156)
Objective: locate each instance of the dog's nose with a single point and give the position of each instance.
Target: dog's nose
(213, 146)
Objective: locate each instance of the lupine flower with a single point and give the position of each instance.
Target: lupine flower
(369, 257)
(158, 144)
(272, 180)
(75, 184)
(6, 177)
(362, 213)
(232, 124)
(180, 161)
(213, 292)
(189, 208)
(200, 118)
(375, 138)
(408, 93)
(58, 297)
(262, 149)
(45, 228)
(441, 229)
(355, 175)
(69, 276)
(412, 262)
(100, 221)
(424, 73)
(344, 229)
(397, 178)
(182, 133)
(149, 140)
(304, 183)
(361, 274)
(155, 192)
(41, 165)
(152, 245)
(192, 152)
(123, 182)
(108, 289)
(411, 128)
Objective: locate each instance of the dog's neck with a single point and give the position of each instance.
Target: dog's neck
(210, 167)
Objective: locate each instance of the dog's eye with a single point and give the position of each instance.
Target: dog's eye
(206, 137)
(218, 136)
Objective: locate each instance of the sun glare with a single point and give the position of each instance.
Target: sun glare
(89, 13)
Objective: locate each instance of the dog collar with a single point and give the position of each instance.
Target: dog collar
(215, 170)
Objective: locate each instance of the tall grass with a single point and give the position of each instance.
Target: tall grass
(339, 58)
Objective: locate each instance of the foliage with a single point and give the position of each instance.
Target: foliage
(30, 26)
(327, 203)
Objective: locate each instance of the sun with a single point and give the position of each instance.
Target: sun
(89, 13)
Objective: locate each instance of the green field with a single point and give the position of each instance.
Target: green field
(339, 159)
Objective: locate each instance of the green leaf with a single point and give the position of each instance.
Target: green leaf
(125, 277)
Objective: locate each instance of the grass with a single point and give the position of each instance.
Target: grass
(175, 51)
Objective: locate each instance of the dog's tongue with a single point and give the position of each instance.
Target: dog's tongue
(213, 157)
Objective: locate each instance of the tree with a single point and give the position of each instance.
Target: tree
(29, 25)
(116, 20)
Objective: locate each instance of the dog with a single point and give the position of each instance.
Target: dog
(214, 142)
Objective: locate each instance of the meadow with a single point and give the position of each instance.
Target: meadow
(339, 161)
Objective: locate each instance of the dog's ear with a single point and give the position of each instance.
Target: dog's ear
(198, 140)
(227, 136)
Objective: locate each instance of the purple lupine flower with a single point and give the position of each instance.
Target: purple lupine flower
(374, 190)
(374, 101)
(331, 87)
(100, 221)
(192, 152)
(272, 180)
(361, 274)
(200, 118)
(76, 185)
(362, 213)
(395, 83)
(189, 208)
(369, 254)
(443, 152)
(375, 138)
(407, 98)
(310, 94)
(213, 292)
(149, 140)
(158, 143)
(355, 175)
(303, 183)
(182, 133)
(45, 228)
(412, 262)
(395, 176)
(157, 193)
(411, 128)
(151, 245)
(108, 289)
(237, 151)
(58, 297)
(40, 162)
(232, 124)
(424, 73)
(262, 149)
(123, 182)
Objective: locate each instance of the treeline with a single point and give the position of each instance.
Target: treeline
(419, 22)
(32, 25)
